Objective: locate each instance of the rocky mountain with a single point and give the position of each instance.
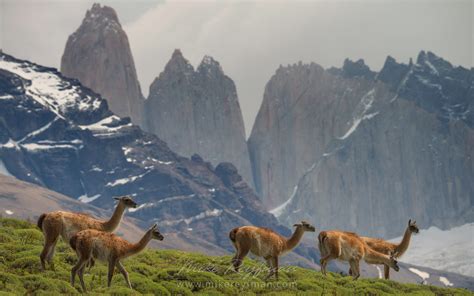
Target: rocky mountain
(99, 55)
(198, 111)
(377, 149)
(58, 134)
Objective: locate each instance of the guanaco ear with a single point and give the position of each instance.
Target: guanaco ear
(117, 198)
(296, 225)
(409, 222)
(155, 226)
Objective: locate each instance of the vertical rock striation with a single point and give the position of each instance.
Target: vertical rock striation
(353, 150)
(99, 55)
(197, 111)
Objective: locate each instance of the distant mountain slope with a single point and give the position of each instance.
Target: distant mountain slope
(198, 111)
(375, 149)
(24, 200)
(99, 55)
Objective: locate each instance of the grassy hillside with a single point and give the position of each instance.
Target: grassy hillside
(171, 273)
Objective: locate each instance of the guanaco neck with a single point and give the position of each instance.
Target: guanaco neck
(139, 246)
(403, 245)
(294, 240)
(114, 221)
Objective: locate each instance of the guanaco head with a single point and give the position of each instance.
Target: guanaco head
(306, 226)
(127, 201)
(413, 227)
(394, 262)
(155, 233)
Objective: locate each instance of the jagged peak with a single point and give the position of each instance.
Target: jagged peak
(359, 62)
(178, 64)
(432, 62)
(356, 69)
(177, 54)
(424, 56)
(208, 60)
(99, 18)
(296, 67)
(101, 12)
(209, 64)
(390, 61)
(421, 57)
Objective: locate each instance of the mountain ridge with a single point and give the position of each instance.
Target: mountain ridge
(365, 143)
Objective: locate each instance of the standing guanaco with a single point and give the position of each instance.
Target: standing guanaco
(107, 247)
(266, 243)
(388, 248)
(348, 246)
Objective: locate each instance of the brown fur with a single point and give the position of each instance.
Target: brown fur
(66, 224)
(108, 247)
(266, 243)
(388, 248)
(348, 246)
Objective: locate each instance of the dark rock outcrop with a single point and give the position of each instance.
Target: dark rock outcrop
(197, 111)
(375, 151)
(99, 55)
(358, 68)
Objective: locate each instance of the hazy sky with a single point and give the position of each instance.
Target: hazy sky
(250, 39)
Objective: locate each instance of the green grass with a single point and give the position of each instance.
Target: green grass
(169, 272)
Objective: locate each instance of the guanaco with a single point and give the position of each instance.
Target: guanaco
(107, 247)
(266, 243)
(66, 224)
(388, 248)
(348, 246)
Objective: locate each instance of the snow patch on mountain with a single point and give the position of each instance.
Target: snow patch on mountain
(123, 181)
(281, 208)
(87, 199)
(422, 274)
(49, 89)
(451, 250)
(200, 216)
(361, 112)
(445, 281)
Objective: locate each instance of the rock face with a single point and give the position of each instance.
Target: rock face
(376, 150)
(98, 54)
(197, 111)
(56, 133)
